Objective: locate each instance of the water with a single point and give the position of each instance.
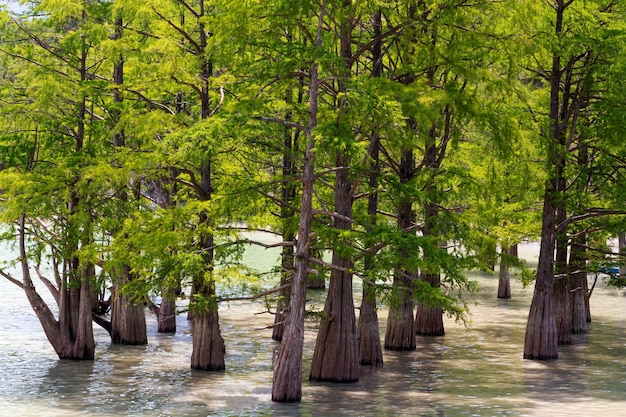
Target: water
(469, 372)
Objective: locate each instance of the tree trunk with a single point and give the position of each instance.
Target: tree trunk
(166, 318)
(578, 268)
(283, 300)
(542, 336)
(622, 251)
(287, 381)
(128, 319)
(370, 351)
(541, 339)
(563, 309)
(287, 214)
(208, 344)
(504, 276)
(70, 339)
(429, 320)
(336, 355)
(400, 334)
(562, 294)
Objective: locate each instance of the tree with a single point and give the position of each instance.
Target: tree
(575, 55)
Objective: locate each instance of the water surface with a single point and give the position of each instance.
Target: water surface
(469, 372)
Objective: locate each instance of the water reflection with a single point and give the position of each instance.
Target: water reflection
(476, 371)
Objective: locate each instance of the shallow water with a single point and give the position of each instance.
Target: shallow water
(469, 372)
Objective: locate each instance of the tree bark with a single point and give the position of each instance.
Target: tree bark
(578, 268)
(287, 378)
(622, 251)
(400, 333)
(128, 319)
(370, 351)
(541, 338)
(336, 357)
(504, 276)
(208, 344)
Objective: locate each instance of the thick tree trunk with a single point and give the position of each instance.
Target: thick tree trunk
(541, 339)
(336, 356)
(400, 333)
(562, 293)
(429, 320)
(128, 319)
(504, 276)
(208, 344)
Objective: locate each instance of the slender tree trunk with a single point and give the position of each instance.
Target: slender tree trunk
(128, 321)
(370, 351)
(541, 339)
(578, 269)
(208, 345)
(504, 276)
(429, 319)
(622, 251)
(287, 381)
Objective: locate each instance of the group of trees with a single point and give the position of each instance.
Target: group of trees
(411, 139)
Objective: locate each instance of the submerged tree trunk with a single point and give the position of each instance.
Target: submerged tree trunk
(578, 269)
(541, 339)
(283, 299)
(166, 317)
(622, 251)
(71, 335)
(429, 319)
(208, 344)
(370, 351)
(504, 275)
(128, 321)
(287, 377)
(336, 356)
(400, 333)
